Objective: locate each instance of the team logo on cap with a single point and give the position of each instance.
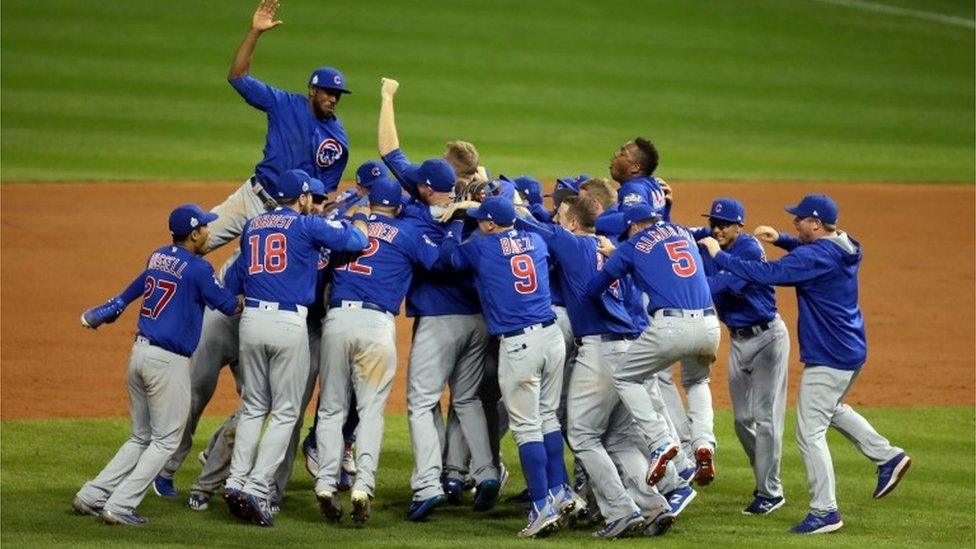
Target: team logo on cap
(375, 171)
(337, 80)
(194, 222)
(315, 79)
(328, 152)
(718, 208)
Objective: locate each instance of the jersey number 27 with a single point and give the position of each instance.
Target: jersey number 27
(169, 290)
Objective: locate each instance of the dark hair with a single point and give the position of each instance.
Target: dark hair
(646, 155)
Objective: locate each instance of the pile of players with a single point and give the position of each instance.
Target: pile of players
(559, 325)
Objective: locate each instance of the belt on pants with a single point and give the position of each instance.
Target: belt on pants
(684, 313)
(346, 304)
(274, 305)
(750, 331)
(146, 341)
(530, 328)
(609, 337)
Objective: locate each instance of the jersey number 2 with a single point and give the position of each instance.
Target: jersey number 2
(524, 270)
(169, 290)
(275, 258)
(683, 263)
(355, 266)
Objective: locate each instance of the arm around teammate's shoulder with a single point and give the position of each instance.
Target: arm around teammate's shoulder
(336, 235)
(795, 268)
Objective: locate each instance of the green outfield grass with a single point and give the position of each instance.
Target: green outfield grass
(751, 89)
(44, 463)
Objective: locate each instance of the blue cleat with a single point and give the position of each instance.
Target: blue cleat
(422, 509)
(122, 519)
(763, 505)
(679, 498)
(543, 520)
(198, 501)
(819, 524)
(622, 526)
(688, 473)
(486, 496)
(235, 503)
(890, 473)
(453, 488)
(163, 487)
(259, 510)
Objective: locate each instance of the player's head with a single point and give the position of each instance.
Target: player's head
(578, 215)
(366, 173)
(495, 214)
(634, 158)
(188, 225)
(325, 88)
(725, 219)
(639, 217)
(814, 217)
(434, 180)
(463, 157)
(293, 189)
(385, 196)
(529, 188)
(601, 190)
(317, 190)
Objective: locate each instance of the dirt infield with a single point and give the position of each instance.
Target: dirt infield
(67, 247)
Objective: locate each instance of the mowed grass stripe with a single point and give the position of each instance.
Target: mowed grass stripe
(45, 461)
(760, 89)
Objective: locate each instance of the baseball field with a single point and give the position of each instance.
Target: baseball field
(113, 112)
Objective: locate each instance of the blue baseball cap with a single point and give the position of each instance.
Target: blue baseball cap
(329, 78)
(639, 212)
(503, 187)
(530, 187)
(293, 184)
(570, 183)
(495, 208)
(384, 191)
(316, 187)
(184, 219)
(370, 170)
(819, 206)
(437, 173)
(727, 209)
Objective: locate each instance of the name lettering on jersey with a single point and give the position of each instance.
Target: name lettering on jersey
(329, 150)
(272, 221)
(513, 245)
(382, 231)
(650, 238)
(167, 264)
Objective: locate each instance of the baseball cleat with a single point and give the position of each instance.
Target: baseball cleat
(660, 524)
(163, 487)
(453, 489)
(122, 519)
(349, 459)
(105, 313)
(521, 498)
(421, 509)
(345, 481)
(235, 503)
(502, 477)
(198, 502)
(890, 473)
(311, 452)
(817, 524)
(679, 498)
(259, 510)
(622, 526)
(361, 508)
(688, 473)
(83, 508)
(764, 506)
(329, 506)
(543, 521)
(659, 459)
(486, 496)
(704, 457)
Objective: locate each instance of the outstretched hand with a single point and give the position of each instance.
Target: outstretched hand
(264, 16)
(711, 245)
(452, 209)
(668, 190)
(388, 88)
(604, 246)
(766, 234)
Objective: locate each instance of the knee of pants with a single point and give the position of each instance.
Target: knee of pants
(744, 418)
(464, 402)
(695, 376)
(841, 409)
(168, 443)
(140, 438)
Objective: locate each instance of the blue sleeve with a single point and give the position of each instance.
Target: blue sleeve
(426, 253)
(398, 164)
(135, 289)
(666, 215)
(611, 224)
(599, 284)
(335, 235)
(787, 242)
(234, 277)
(457, 256)
(539, 212)
(211, 291)
(333, 176)
(722, 281)
(793, 269)
(257, 94)
(545, 230)
(615, 268)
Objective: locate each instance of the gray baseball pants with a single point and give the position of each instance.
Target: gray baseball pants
(274, 361)
(158, 382)
(818, 407)
(758, 369)
(692, 338)
(359, 349)
(220, 450)
(676, 409)
(447, 350)
(234, 212)
(530, 372)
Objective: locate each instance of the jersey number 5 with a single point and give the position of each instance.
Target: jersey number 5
(683, 263)
(169, 290)
(275, 258)
(524, 270)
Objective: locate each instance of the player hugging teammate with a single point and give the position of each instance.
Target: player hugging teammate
(562, 326)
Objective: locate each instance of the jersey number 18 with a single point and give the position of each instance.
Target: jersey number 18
(275, 257)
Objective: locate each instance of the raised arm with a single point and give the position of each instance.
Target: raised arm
(387, 139)
(262, 20)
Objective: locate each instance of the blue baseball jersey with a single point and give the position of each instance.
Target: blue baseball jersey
(382, 272)
(439, 292)
(579, 261)
(666, 265)
(281, 250)
(296, 139)
(511, 273)
(830, 328)
(175, 287)
(739, 302)
(323, 276)
(633, 297)
(637, 190)
(398, 163)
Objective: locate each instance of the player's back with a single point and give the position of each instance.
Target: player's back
(281, 257)
(668, 268)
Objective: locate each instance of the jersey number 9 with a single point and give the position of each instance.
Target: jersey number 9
(524, 270)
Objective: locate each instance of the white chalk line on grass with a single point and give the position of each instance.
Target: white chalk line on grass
(907, 12)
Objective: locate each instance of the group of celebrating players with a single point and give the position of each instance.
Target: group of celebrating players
(560, 325)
